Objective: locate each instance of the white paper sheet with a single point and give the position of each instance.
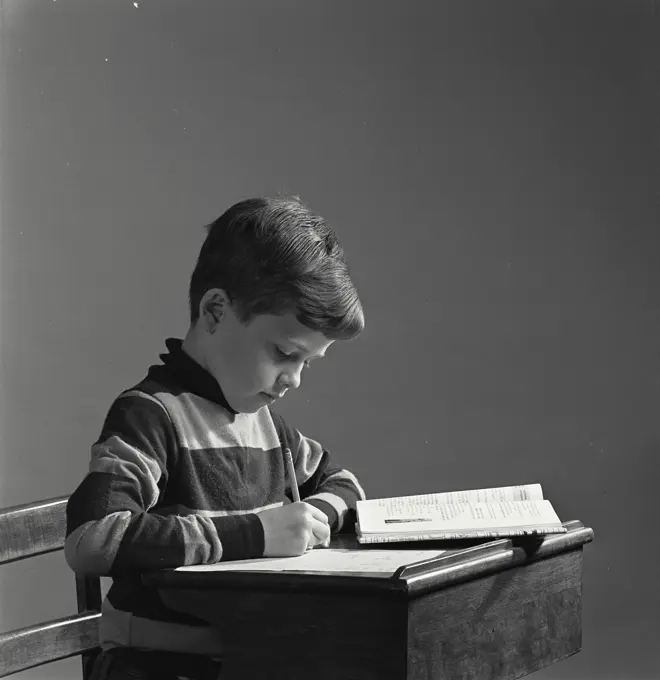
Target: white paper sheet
(326, 560)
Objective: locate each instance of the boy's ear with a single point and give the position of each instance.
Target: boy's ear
(213, 307)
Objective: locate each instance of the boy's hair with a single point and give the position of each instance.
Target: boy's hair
(273, 256)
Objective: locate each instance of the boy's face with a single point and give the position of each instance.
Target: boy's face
(256, 364)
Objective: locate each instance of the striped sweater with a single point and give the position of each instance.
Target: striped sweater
(176, 478)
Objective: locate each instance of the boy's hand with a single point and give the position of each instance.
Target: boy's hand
(292, 529)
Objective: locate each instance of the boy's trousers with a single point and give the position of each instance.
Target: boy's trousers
(130, 664)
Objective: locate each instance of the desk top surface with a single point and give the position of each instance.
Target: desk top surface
(458, 561)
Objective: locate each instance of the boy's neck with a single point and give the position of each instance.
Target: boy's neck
(193, 347)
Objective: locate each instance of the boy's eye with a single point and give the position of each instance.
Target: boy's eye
(289, 357)
(281, 353)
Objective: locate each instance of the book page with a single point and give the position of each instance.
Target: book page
(326, 560)
(405, 505)
(457, 517)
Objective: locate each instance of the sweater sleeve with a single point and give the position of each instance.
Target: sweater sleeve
(332, 489)
(112, 522)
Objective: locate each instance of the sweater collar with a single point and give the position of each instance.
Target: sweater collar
(191, 376)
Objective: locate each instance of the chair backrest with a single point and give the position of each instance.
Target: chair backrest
(35, 529)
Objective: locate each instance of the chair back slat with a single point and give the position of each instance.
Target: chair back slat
(33, 529)
(52, 641)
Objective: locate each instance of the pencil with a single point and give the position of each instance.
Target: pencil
(288, 459)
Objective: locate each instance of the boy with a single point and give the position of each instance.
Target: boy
(188, 468)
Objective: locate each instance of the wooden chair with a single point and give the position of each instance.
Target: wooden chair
(35, 529)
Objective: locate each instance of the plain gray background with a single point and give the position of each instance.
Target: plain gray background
(492, 170)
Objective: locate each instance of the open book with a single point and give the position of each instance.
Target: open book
(478, 513)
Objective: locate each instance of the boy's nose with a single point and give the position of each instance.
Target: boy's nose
(291, 379)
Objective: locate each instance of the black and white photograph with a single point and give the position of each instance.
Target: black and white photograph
(329, 339)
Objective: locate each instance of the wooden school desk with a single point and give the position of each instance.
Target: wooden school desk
(500, 609)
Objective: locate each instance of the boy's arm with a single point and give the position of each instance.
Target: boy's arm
(330, 488)
(108, 527)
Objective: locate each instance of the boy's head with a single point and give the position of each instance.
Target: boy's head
(269, 294)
